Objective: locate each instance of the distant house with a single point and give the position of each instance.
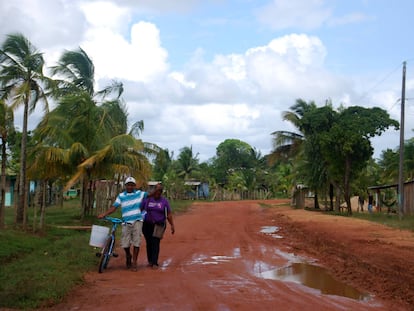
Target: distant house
(408, 208)
(198, 189)
(9, 191)
(194, 189)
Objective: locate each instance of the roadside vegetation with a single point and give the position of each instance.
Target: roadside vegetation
(391, 220)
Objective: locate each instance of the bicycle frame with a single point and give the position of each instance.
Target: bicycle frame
(108, 250)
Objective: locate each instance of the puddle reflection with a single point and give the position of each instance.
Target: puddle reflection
(315, 277)
(214, 260)
(271, 230)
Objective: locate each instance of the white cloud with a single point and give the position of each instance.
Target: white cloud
(103, 14)
(141, 59)
(238, 95)
(47, 23)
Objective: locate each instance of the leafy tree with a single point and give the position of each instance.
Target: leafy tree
(388, 163)
(284, 178)
(409, 159)
(346, 144)
(332, 147)
(236, 181)
(21, 82)
(233, 155)
(314, 167)
(371, 175)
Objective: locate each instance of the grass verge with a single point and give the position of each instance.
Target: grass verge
(390, 220)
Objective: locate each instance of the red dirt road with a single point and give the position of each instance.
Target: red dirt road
(219, 259)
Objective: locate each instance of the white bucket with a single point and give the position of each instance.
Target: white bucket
(99, 235)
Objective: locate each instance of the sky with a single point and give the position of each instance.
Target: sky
(200, 72)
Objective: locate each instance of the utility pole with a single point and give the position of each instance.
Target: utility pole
(401, 167)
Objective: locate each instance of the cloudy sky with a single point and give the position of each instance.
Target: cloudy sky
(199, 72)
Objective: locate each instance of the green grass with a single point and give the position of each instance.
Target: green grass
(388, 219)
(391, 220)
(38, 270)
(266, 205)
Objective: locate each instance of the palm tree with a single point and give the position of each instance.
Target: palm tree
(287, 144)
(6, 127)
(22, 82)
(92, 127)
(302, 146)
(187, 163)
(162, 164)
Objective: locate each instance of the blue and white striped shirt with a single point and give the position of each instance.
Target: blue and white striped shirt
(130, 203)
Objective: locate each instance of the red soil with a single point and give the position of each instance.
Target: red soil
(218, 259)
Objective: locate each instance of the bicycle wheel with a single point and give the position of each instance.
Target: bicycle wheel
(103, 262)
(110, 250)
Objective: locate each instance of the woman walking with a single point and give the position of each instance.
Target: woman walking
(158, 211)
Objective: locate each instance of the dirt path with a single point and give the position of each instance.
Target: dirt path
(220, 259)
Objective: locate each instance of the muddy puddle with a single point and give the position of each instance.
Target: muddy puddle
(305, 273)
(314, 277)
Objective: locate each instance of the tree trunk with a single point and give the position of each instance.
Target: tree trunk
(34, 218)
(338, 199)
(347, 195)
(82, 198)
(16, 196)
(43, 206)
(91, 197)
(21, 216)
(331, 197)
(316, 201)
(3, 182)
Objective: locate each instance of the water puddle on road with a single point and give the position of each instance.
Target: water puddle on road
(272, 231)
(315, 277)
(214, 260)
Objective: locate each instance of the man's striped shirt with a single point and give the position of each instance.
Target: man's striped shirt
(130, 202)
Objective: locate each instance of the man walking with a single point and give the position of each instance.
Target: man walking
(130, 202)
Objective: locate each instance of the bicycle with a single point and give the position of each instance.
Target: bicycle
(108, 250)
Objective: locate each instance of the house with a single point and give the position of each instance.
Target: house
(408, 206)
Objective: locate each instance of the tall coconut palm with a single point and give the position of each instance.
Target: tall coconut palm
(287, 144)
(86, 133)
(92, 127)
(302, 145)
(6, 127)
(22, 83)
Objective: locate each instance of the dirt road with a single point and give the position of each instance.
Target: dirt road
(243, 255)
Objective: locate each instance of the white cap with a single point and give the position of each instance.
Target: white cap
(130, 180)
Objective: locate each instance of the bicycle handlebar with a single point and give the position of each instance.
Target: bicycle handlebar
(113, 219)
